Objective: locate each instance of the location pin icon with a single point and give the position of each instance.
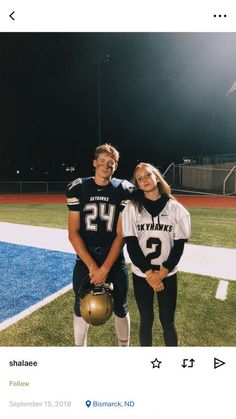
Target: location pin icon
(88, 403)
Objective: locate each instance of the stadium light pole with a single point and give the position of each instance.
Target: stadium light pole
(104, 58)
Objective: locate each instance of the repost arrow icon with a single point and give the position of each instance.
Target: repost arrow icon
(191, 363)
(184, 365)
(218, 363)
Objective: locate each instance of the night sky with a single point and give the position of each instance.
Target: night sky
(163, 97)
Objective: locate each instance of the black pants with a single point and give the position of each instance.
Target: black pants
(144, 295)
(118, 275)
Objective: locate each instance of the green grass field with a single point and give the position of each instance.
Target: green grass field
(210, 226)
(201, 320)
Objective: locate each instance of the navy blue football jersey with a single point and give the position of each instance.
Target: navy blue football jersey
(99, 207)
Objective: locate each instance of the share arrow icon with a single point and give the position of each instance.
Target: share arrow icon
(218, 363)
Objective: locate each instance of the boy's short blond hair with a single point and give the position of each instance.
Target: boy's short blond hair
(107, 148)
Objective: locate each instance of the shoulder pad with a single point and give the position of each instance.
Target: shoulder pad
(74, 192)
(128, 186)
(75, 182)
(125, 202)
(74, 188)
(116, 182)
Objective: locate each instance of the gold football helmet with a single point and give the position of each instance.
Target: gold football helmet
(96, 307)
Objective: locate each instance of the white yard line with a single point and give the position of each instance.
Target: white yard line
(221, 292)
(203, 260)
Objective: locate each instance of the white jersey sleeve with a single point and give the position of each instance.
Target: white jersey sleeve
(129, 226)
(182, 222)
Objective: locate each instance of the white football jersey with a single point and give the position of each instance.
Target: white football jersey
(156, 235)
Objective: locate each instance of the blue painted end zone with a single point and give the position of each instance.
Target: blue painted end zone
(28, 275)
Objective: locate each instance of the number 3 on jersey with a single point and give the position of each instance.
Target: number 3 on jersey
(97, 212)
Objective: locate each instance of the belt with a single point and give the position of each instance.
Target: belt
(98, 250)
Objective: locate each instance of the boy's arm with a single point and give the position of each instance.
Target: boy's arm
(77, 241)
(100, 275)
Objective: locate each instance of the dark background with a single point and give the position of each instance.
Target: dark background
(163, 97)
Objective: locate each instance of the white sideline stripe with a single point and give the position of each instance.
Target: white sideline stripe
(203, 260)
(210, 261)
(34, 307)
(40, 237)
(221, 292)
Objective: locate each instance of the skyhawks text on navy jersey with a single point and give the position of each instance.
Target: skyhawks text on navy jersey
(99, 207)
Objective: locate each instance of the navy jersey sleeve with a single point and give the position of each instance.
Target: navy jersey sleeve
(127, 191)
(175, 254)
(128, 188)
(136, 255)
(73, 195)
